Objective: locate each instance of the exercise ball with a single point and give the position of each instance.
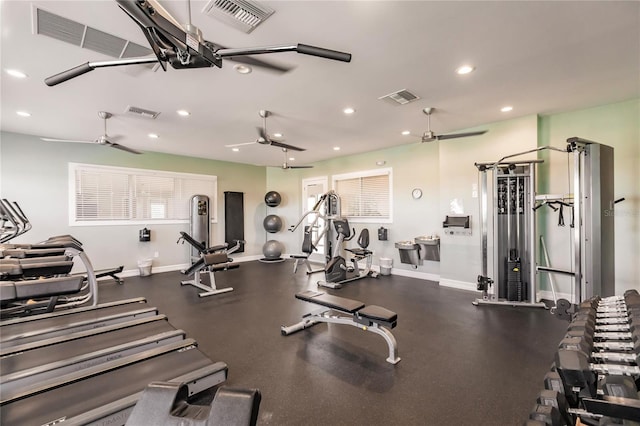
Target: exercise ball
(272, 223)
(272, 249)
(272, 199)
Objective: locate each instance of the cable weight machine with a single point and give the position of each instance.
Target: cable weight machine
(512, 210)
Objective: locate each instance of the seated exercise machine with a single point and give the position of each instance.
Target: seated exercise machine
(324, 210)
(337, 269)
(339, 310)
(166, 403)
(212, 259)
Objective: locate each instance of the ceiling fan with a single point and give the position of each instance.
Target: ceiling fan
(264, 138)
(103, 139)
(184, 47)
(430, 136)
(286, 165)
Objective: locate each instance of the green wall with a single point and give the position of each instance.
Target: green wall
(35, 174)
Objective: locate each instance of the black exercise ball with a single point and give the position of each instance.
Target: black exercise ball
(272, 199)
(272, 223)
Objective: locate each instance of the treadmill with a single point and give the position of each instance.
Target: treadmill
(28, 366)
(107, 393)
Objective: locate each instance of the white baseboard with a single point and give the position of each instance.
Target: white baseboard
(413, 274)
(179, 267)
(461, 285)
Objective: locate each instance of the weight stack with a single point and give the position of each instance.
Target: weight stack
(515, 286)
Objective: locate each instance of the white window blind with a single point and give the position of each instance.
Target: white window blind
(100, 195)
(365, 196)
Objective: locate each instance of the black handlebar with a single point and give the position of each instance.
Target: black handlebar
(68, 74)
(323, 53)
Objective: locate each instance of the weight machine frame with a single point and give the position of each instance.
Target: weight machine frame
(593, 269)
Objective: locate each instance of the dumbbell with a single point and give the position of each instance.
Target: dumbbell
(576, 370)
(586, 345)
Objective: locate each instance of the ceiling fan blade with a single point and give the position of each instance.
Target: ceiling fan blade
(270, 66)
(64, 140)
(122, 148)
(286, 146)
(239, 144)
(460, 135)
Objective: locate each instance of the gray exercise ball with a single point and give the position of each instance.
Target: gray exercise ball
(272, 223)
(272, 199)
(272, 249)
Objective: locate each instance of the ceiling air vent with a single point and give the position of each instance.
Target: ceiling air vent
(141, 112)
(68, 31)
(400, 97)
(244, 15)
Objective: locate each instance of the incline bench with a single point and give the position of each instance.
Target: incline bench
(371, 318)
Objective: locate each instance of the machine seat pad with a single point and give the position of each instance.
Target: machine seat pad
(236, 406)
(215, 258)
(378, 313)
(31, 289)
(359, 251)
(299, 256)
(333, 302)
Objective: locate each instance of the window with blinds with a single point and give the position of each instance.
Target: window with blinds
(106, 195)
(365, 196)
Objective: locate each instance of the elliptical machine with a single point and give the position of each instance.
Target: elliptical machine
(336, 271)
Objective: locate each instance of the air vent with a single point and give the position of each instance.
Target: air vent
(244, 15)
(68, 31)
(401, 97)
(141, 112)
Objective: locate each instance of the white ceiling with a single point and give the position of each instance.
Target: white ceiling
(541, 57)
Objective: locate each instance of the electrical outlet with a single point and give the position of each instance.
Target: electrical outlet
(156, 254)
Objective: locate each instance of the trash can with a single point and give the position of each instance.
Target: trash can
(145, 267)
(385, 266)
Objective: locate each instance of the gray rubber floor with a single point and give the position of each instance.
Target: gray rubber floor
(461, 364)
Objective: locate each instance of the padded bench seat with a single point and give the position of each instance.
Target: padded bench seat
(372, 318)
(333, 302)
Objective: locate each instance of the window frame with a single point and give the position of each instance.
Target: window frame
(72, 201)
(387, 171)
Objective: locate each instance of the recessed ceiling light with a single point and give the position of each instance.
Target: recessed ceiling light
(349, 110)
(242, 69)
(292, 158)
(153, 136)
(16, 73)
(235, 149)
(336, 148)
(183, 112)
(406, 133)
(23, 113)
(465, 69)
(277, 135)
(506, 108)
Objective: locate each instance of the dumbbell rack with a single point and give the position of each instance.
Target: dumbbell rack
(596, 372)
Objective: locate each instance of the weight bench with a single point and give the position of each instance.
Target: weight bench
(371, 318)
(210, 263)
